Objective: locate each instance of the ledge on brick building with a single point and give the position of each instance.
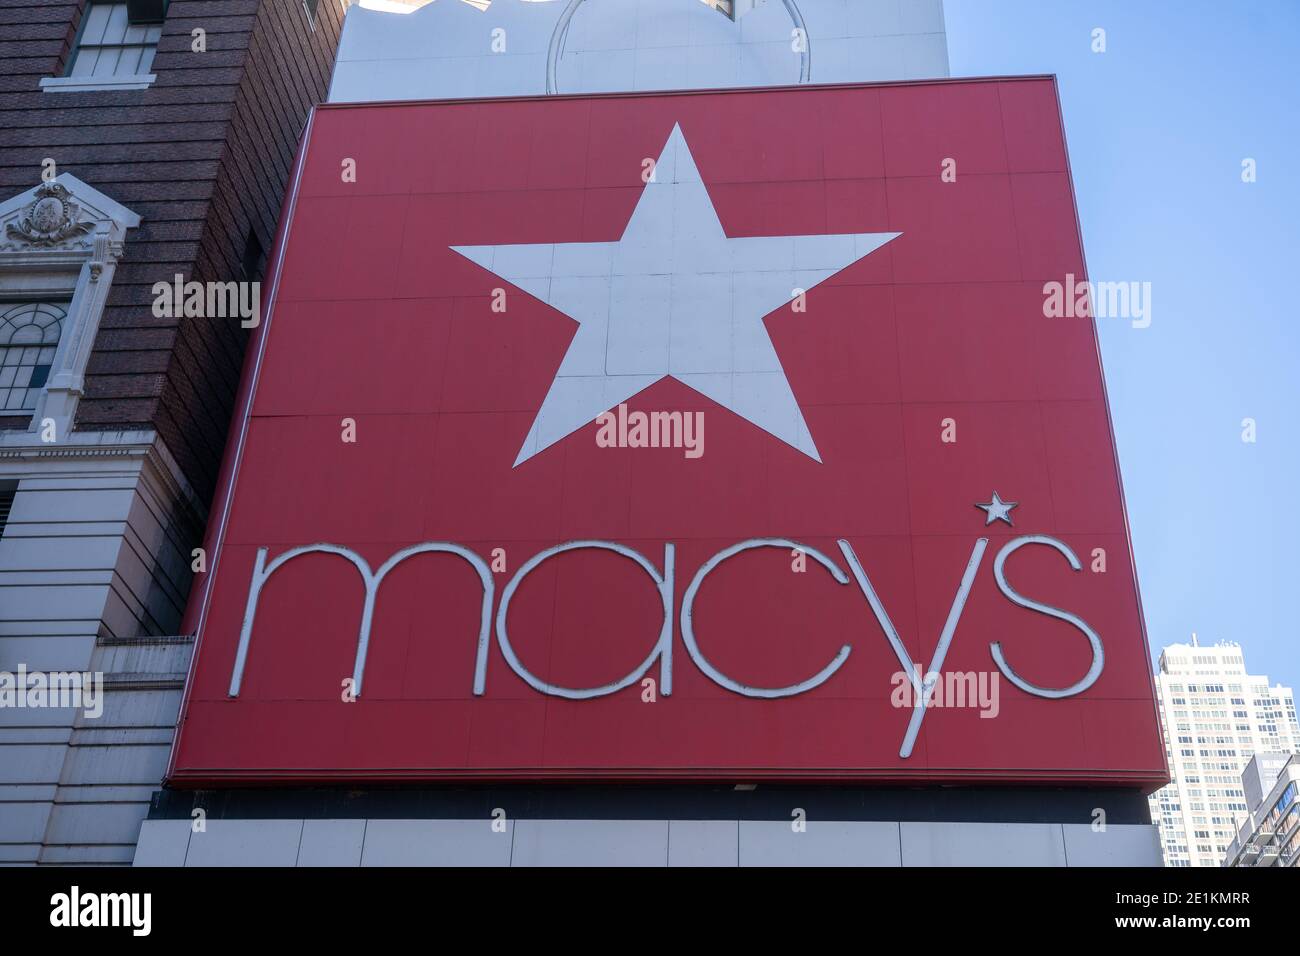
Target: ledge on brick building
(91, 84)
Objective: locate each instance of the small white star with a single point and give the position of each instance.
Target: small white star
(998, 510)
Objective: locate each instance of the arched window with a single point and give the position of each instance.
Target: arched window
(29, 334)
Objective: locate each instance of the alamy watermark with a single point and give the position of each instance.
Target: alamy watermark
(133, 911)
(975, 689)
(83, 690)
(623, 429)
(208, 300)
(1102, 300)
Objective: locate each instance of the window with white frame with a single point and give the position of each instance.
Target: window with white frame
(109, 44)
(63, 240)
(29, 336)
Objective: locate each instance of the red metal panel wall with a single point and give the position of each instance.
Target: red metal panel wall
(376, 319)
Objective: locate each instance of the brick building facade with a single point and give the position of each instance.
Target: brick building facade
(138, 141)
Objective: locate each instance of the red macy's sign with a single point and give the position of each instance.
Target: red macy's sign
(713, 435)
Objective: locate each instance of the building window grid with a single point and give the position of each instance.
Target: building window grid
(110, 45)
(29, 337)
(1261, 713)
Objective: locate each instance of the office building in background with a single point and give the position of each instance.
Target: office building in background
(1216, 718)
(1270, 833)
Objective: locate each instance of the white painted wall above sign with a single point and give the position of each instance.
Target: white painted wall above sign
(452, 49)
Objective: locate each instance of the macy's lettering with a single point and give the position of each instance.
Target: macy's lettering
(662, 652)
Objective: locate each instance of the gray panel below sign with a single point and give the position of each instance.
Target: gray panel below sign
(818, 843)
(987, 844)
(245, 843)
(591, 843)
(436, 843)
(163, 843)
(474, 842)
(331, 842)
(703, 843)
(1113, 846)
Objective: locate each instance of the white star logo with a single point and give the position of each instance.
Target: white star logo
(673, 298)
(997, 510)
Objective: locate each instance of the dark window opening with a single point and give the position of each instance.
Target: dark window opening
(7, 491)
(147, 11)
(254, 258)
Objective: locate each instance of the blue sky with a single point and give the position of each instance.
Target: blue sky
(1157, 128)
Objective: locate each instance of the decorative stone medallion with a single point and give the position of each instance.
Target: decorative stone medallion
(50, 219)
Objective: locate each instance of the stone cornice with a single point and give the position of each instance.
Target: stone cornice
(144, 447)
